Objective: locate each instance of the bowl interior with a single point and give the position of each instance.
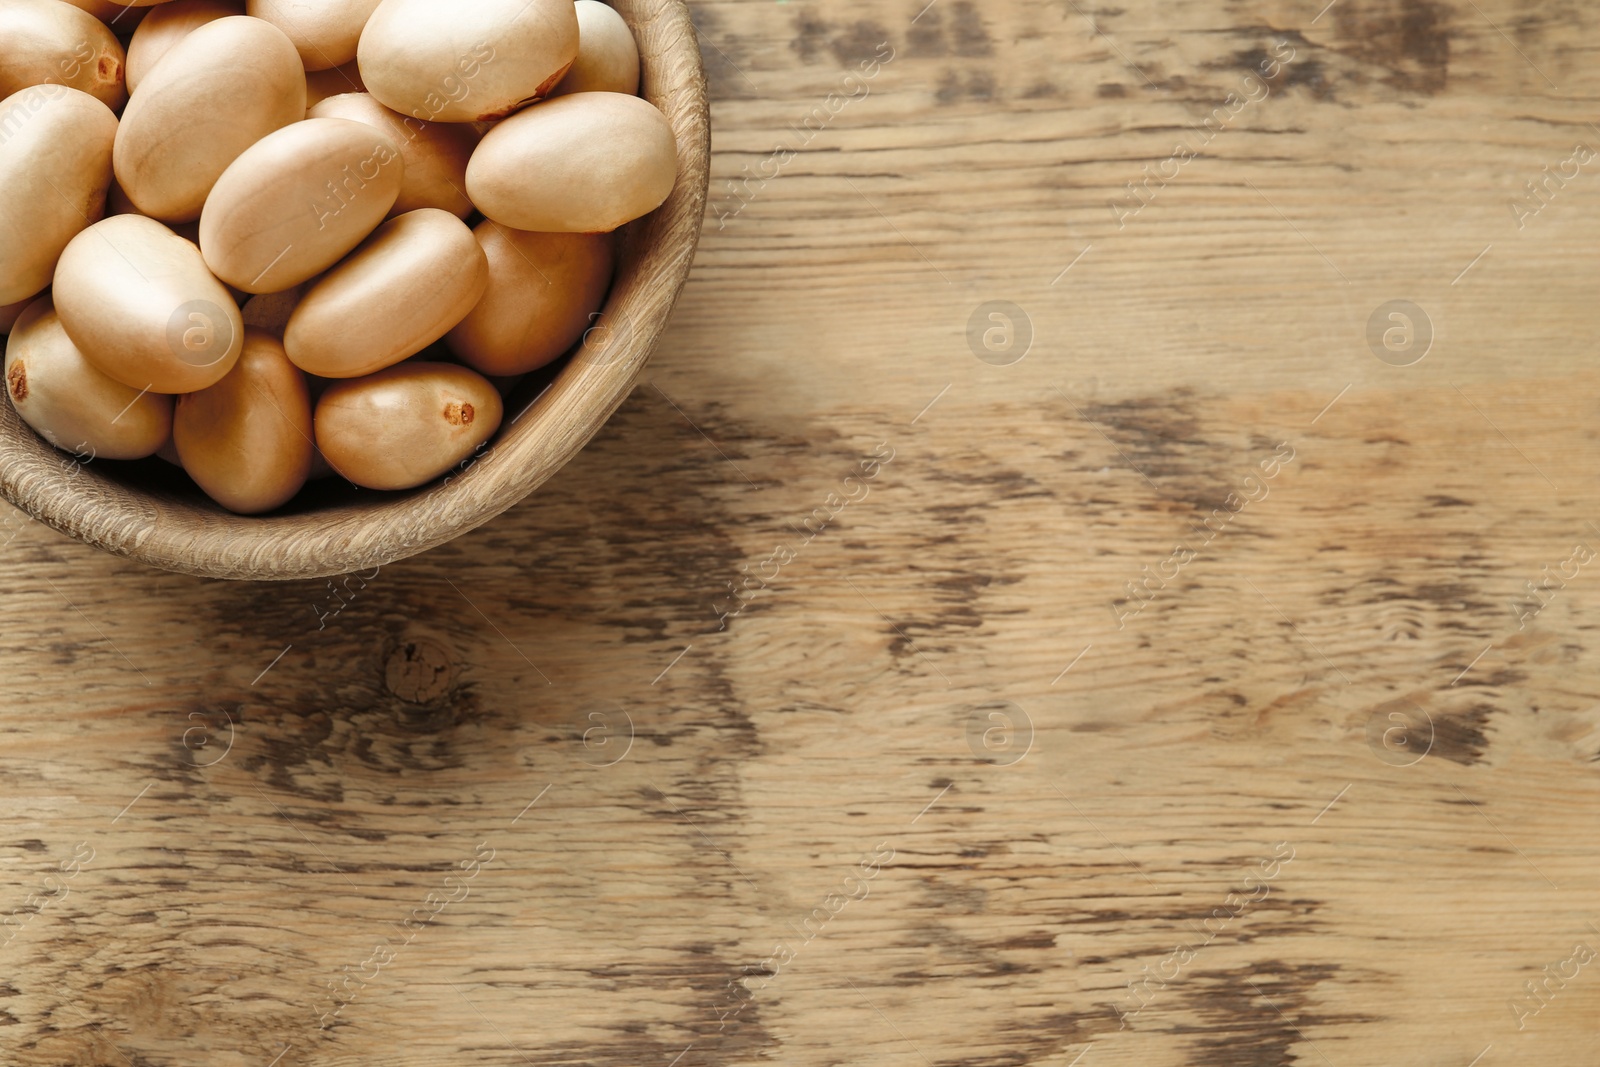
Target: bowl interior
(148, 511)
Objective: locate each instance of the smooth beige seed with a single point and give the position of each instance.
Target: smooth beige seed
(165, 26)
(55, 168)
(321, 84)
(70, 402)
(218, 91)
(407, 284)
(140, 304)
(50, 42)
(608, 56)
(544, 289)
(295, 202)
(435, 153)
(324, 31)
(407, 424)
(246, 440)
(464, 62)
(585, 163)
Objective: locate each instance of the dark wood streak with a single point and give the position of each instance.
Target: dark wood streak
(1411, 38)
(767, 756)
(1254, 1016)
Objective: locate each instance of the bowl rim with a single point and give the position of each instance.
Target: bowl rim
(190, 536)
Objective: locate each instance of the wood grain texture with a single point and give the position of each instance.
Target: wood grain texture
(938, 788)
(143, 513)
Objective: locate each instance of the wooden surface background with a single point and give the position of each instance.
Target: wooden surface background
(646, 772)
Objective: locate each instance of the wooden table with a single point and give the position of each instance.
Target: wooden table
(1022, 617)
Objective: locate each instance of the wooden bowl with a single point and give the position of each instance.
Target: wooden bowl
(140, 511)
